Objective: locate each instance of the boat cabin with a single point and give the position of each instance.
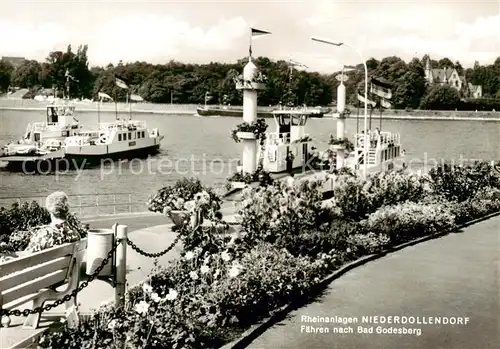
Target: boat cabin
(286, 148)
(59, 125)
(290, 126)
(60, 114)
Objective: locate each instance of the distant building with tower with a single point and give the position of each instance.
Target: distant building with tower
(450, 76)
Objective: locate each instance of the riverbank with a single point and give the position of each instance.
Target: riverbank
(190, 109)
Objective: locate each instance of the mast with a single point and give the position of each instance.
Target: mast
(129, 106)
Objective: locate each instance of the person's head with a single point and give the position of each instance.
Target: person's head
(57, 204)
(292, 174)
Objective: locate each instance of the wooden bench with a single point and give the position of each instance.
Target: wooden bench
(35, 277)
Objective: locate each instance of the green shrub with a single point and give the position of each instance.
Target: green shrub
(22, 217)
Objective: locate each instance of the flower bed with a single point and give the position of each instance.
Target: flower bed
(289, 242)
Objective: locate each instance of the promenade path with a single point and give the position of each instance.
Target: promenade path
(456, 275)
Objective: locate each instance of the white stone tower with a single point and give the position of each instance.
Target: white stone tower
(341, 99)
(250, 86)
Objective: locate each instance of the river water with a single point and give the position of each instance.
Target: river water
(202, 147)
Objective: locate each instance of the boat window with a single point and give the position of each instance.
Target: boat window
(142, 134)
(129, 136)
(37, 137)
(119, 137)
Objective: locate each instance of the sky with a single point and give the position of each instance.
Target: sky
(204, 31)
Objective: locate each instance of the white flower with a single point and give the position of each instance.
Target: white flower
(204, 269)
(179, 203)
(207, 259)
(155, 297)
(193, 275)
(172, 294)
(142, 307)
(198, 250)
(147, 288)
(112, 324)
(217, 272)
(234, 271)
(189, 205)
(225, 256)
(189, 255)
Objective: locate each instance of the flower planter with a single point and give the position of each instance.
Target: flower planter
(337, 146)
(238, 185)
(246, 135)
(178, 217)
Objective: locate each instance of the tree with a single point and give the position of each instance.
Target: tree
(6, 70)
(459, 68)
(441, 97)
(27, 75)
(445, 63)
(411, 86)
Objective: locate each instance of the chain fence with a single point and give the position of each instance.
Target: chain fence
(92, 277)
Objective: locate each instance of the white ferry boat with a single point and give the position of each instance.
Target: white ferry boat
(62, 140)
(42, 138)
(117, 140)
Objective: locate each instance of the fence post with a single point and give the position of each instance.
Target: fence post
(121, 265)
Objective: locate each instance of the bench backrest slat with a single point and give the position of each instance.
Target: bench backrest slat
(37, 258)
(30, 274)
(26, 275)
(34, 286)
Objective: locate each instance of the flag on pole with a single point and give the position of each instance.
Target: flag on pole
(368, 101)
(380, 88)
(258, 32)
(121, 82)
(136, 98)
(103, 95)
(255, 33)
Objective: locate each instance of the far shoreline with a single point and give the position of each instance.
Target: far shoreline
(190, 109)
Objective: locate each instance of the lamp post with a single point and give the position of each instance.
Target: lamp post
(365, 150)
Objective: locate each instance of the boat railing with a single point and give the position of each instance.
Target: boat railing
(43, 126)
(275, 138)
(138, 123)
(88, 205)
(377, 140)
